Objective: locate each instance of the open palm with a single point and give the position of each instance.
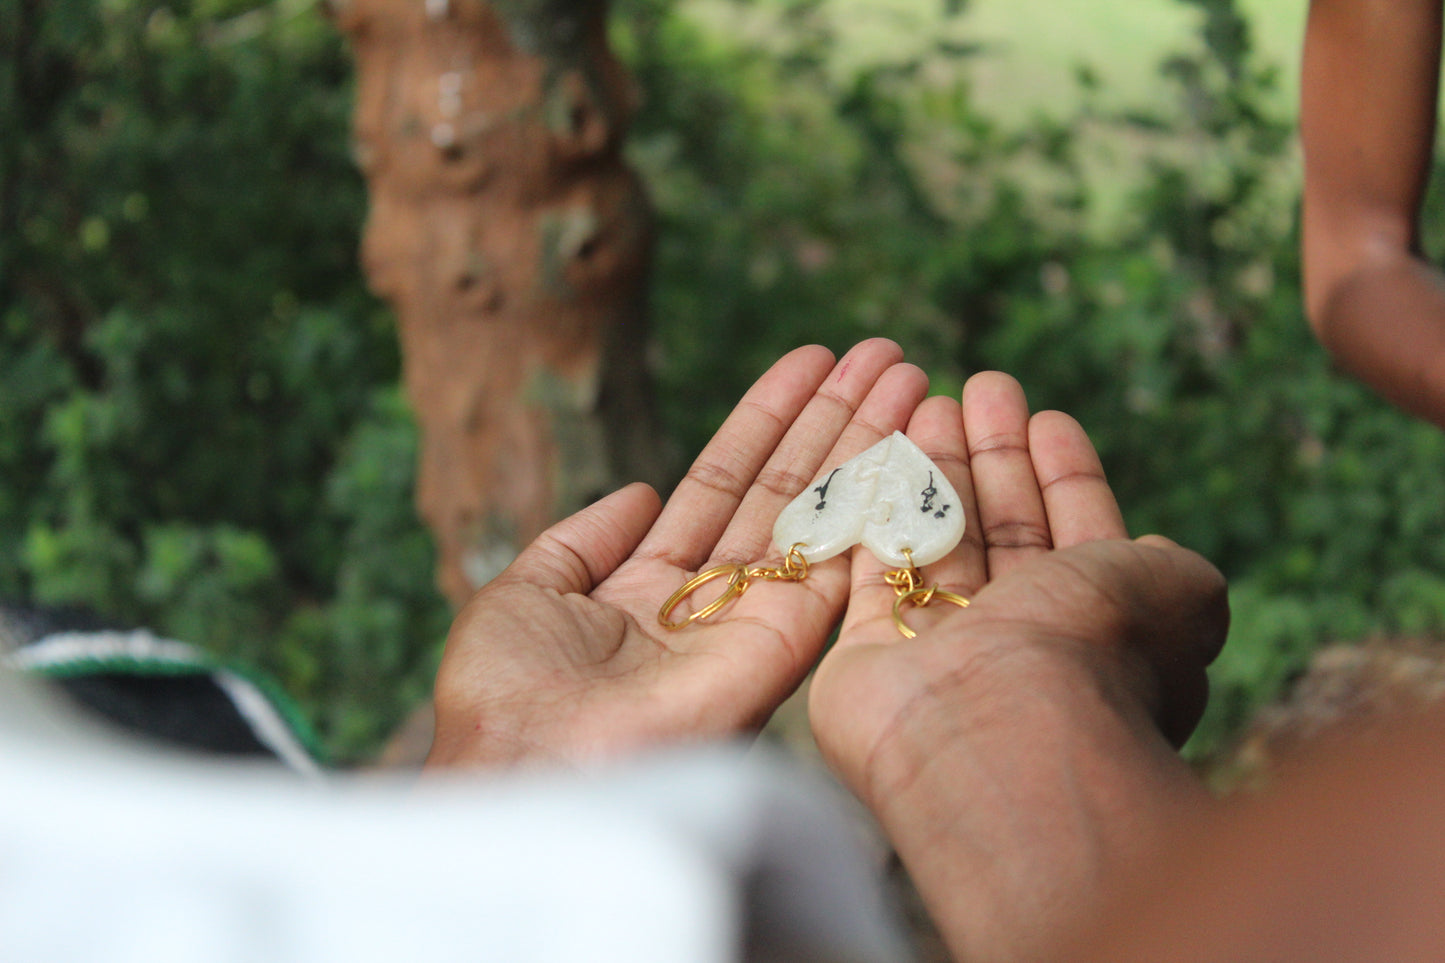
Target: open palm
(562, 657)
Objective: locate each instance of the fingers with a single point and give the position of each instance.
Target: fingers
(874, 395)
(1078, 502)
(1177, 630)
(706, 499)
(720, 496)
(577, 553)
(1028, 484)
(1012, 519)
(819, 448)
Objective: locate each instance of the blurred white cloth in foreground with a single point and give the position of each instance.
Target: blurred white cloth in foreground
(111, 852)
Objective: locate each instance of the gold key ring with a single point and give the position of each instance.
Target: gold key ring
(737, 584)
(921, 597)
(794, 569)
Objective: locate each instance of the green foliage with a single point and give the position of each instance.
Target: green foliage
(1181, 344)
(199, 423)
(789, 207)
(199, 427)
(816, 203)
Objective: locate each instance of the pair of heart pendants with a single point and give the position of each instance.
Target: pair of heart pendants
(891, 499)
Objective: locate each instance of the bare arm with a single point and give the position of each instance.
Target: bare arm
(1367, 116)
(1340, 860)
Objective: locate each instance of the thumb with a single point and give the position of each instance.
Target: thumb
(1159, 610)
(582, 550)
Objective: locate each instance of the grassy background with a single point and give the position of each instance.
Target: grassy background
(1034, 51)
(1037, 45)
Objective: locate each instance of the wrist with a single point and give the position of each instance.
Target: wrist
(1016, 793)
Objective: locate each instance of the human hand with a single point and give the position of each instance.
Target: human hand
(562, 657)
(1017, 752)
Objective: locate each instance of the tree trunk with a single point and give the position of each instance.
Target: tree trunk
(513, 245)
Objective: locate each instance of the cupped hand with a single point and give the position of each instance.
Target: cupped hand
(1019, 752)
(561, 658)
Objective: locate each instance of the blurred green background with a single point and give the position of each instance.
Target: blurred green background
(200, 426)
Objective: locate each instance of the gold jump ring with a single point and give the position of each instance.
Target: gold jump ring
(921, 597)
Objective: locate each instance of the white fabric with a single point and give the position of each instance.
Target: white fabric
(113, 853)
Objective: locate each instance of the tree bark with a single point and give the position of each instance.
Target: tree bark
(513, 244)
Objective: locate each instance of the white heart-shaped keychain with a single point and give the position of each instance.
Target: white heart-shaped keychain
(891, 499)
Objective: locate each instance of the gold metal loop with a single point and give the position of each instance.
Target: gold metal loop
(905, 580)
(794, 569)
(920, 597)
(738, 581)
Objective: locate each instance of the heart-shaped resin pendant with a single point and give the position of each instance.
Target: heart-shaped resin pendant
(891, 498)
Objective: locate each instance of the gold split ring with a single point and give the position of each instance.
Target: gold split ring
(737, 576)
(921, 597)
(794, 569)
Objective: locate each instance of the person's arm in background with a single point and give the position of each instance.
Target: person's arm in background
(1339, 860)
(1367, 118)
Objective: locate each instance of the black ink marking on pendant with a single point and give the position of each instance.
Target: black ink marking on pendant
(822, 490)
(929, 494)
